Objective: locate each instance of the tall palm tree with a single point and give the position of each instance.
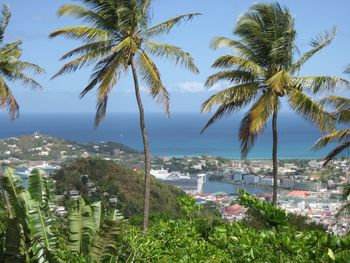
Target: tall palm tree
(12, 68)
(118, 39)
(262, 71)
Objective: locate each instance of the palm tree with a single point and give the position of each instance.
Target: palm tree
(262, 71)
(12, 68)
(117, 39)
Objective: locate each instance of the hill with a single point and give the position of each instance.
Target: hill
(118, 181)
(38, 147)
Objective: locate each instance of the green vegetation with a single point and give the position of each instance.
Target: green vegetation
(103, 221)
(12, 68)
(48, 148)
(264, 72)
(31, 232)
(119, 182)
(117, 39)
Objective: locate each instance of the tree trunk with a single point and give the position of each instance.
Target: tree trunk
(274, 156)
(146, 201)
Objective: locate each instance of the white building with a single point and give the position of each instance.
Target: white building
(267, 180)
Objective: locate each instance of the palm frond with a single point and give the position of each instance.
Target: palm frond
(175, 54)
(317, 44)
(237, 76)
(78, 11)
(240, 94)
(336, 151)
(280, 82)
(310, 110)
(337, 102)
(7, 99)
(317, 84)
(166, 26)
(239, 63)
(237, 46)
(151, 77)
(82, 61)
(338, 135)
(5, 19)
(27, 66)
(255, 120)
(229, 101)
(84, 33)
(107, 77)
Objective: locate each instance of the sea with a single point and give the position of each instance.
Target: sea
(178, 135)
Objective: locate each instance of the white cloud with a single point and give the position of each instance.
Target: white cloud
(191, 87)
(196, 87)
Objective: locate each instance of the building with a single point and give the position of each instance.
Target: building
(267, 180)
(238, 177)
(251, 179)
(201, 179)
(287, 183)
(307, 186)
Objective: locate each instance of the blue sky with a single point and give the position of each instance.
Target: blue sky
(32, 21)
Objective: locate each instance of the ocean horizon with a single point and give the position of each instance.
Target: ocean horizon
(178, 135)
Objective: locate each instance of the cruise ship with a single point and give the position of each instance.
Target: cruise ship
(165, 175)
(192, 184)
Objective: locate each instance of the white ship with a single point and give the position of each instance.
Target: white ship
(165, 175)
(44, 167)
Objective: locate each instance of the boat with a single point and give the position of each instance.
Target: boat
(165, 175)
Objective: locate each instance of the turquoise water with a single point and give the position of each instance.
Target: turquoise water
(178, 135)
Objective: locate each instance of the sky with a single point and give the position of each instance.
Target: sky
(32, 21)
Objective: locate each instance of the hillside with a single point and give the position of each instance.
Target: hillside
(46, 148)
(119, 182)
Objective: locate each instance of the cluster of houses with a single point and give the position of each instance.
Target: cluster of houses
(316, 206)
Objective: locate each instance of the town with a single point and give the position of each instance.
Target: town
(306, 187)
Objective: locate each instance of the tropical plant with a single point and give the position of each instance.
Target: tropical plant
(29, 234)
(32, 232)
(117, 39)
(274, 216)
(263, 70)
(183, 240)
(12, 68)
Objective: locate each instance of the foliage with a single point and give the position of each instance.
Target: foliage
(98, 235)
(118, 37)
(183, 240)
(119, 182)
(188, 206)
(33, 233)
(271, 214)
(12, 68)
(29, 223)
(262, 71)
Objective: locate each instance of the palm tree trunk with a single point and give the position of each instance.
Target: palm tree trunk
(274, 156)
(146, 201)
